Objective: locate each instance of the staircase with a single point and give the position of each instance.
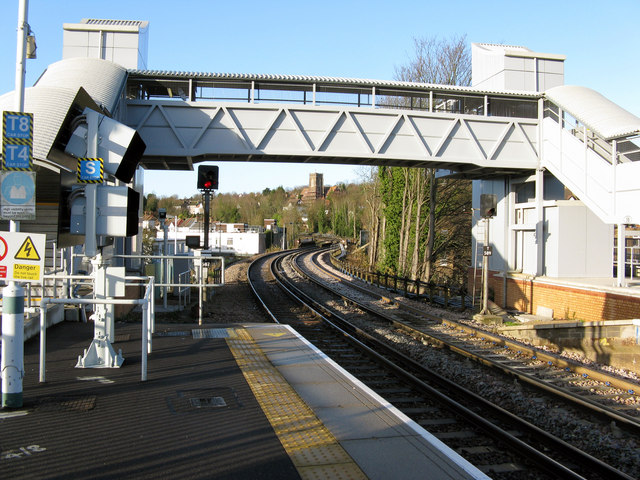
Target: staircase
(601, 164)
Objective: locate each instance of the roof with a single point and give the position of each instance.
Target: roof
(102, 79)
(306, 79)
(99, 24)
(595, 111)
(518, 51)
(50, 107)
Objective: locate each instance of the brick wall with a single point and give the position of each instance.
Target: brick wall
(526, 295)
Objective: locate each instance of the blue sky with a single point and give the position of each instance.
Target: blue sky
(362, 39)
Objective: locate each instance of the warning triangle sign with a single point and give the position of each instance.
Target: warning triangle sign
(27, 251)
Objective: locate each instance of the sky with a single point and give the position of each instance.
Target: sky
(347, 38)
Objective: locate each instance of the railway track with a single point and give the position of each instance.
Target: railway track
(612, 397)
(497, 442)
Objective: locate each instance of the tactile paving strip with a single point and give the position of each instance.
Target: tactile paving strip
(313, 449)
(209, 333)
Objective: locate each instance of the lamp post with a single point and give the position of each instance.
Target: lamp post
(12, 362)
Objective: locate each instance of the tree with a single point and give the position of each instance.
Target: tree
(150, 203)
(411, 210)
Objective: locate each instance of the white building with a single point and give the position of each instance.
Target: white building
(231, 238)
(545, 239)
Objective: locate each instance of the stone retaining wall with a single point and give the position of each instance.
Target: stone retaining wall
(612, 342)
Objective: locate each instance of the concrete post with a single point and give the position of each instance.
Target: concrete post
(12, 345)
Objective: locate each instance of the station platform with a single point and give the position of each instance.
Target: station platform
(252, 401)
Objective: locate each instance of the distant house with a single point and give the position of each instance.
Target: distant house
(232, 238)
(196, 209)
(149, 221)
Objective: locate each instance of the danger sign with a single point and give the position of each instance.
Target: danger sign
(22, 256)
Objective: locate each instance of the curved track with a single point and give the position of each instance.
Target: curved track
(614, 398)
(466, 422)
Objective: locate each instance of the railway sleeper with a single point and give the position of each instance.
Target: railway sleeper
(429, 422)
(501, 468)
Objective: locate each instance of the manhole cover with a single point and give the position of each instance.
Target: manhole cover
(67, 403)
(208, 402)
(204, 400)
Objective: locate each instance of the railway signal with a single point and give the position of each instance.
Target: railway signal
(207, 182)
(208, 177)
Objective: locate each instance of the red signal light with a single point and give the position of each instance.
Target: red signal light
(208, 184)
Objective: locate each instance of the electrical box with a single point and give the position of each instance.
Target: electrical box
(119, 146)
(117, 212)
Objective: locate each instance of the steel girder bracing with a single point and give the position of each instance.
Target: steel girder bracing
(175, 131)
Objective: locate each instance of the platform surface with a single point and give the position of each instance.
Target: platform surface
(251, 401)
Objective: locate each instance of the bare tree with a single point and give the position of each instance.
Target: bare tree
(441, 61)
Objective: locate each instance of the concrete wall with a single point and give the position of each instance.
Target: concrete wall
(609, 342)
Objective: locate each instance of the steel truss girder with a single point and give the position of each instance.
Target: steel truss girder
(190, 131)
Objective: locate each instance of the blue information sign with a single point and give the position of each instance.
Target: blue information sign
(17, 125)
(17, 141)
(90, 170)
(17, 156)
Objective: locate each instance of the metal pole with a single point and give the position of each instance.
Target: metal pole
(145, 346)
(175, 235)
(165, 265)
(12, 362)
(200, 293)
(622, 260)
(21, 53)
(43, 340)
(485, 271)
(207, 196)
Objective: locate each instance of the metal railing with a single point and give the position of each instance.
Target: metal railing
(148, 320)
(201, 285)
(317, 91)
(627, 149)
(631, 263)
(445, 295)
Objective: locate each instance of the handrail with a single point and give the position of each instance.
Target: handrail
(148, 321)
(320, 91)
(593, 141)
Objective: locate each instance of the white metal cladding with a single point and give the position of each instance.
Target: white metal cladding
(103, 80)
(49, 106)
(199, 130)
(609, 189)
(595, 111)
(336, 81)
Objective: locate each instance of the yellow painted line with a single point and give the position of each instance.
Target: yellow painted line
(313, 449)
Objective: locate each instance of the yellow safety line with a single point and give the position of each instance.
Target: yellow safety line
(314, 451)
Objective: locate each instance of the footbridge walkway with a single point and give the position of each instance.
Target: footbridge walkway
(586, 141)
(589, 143)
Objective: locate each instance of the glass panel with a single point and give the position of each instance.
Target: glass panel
(525, 192)
(503, 107)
